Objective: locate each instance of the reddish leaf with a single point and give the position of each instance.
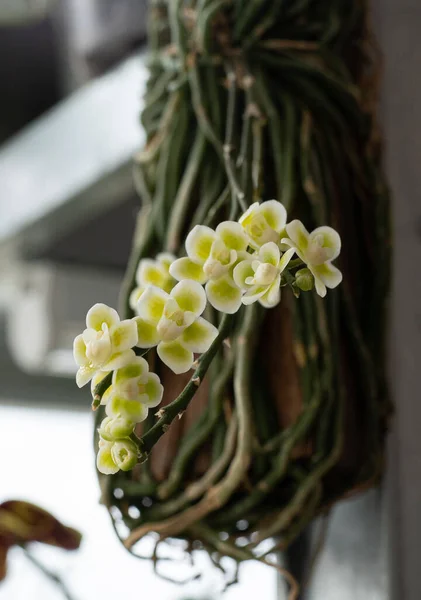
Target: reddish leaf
(23, 522)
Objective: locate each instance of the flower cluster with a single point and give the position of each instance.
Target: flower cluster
(240, 262)
(133, 391)
(106, 346)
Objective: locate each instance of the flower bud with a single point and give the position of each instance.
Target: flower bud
(115, 428)
(124, 454)
(304, 280)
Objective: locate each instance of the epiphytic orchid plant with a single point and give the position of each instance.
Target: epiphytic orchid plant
(239, 263)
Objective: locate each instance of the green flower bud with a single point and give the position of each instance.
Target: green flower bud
(115, 428)
(125, 454)
(304, 280)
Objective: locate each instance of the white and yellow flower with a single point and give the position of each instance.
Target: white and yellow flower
(172, 322)
(116, 455)
(260, 275)
(210, 254)
(316, 249)
(264, 223)
(211, 257)
(105, 344)
(153, 272)
(115, 428)
(134, 390)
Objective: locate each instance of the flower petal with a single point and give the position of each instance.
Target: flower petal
(116, 428)
(241, 272)
(320, 286)
(84, 375)
(124, 454)
(270, 253)
(165, 259)
(286, 257)
(154, 390)
(298, 234)
(275, 214)
(124, 335)
(233, 235)
(99, 314)
(190, 296)
(150, 272)
(220, 260)
(254, 294)
(330, 275)
(185, 268)
(199, 336)
(119, 360)
(79, 351)
(273, 296)
(104, 461)
(199, 242)
(137, 368)
(134, 297)
(175, 356)
(168, 329)
(107, 394)
(97, 378)
(224, 295)
(246, 217)
(331, 240)
(90, 335)
(134, 410)
(151, 304)
(147, 333)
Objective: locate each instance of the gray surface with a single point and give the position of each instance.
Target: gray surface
(399, 32)
(21, 389)
(73, 162)
(354, 565)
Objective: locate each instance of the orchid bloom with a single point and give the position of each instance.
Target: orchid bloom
(316, 249)
(260, 275)
(153, 272)
(172, 322)
(211, 258)
(105, 344)
(116, 455)
(134, 390)
(264, 223)
(115, 428)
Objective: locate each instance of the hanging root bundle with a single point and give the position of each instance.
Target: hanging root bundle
(250, 100)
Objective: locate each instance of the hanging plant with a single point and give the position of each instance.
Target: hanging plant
(268, 395)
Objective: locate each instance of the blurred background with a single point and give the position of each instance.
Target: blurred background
(72, 77)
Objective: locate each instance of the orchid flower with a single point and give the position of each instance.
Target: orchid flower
(133, 391)
(211, 258)
(153, 272)
(116, 455)
(105, 344)
(260, 275)
(316, 249)
(172, 322)
(264, 223)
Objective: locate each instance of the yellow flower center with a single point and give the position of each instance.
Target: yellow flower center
(317, 253)
(219, 260)
(260, 230)
(265, 274)
(98, 349)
